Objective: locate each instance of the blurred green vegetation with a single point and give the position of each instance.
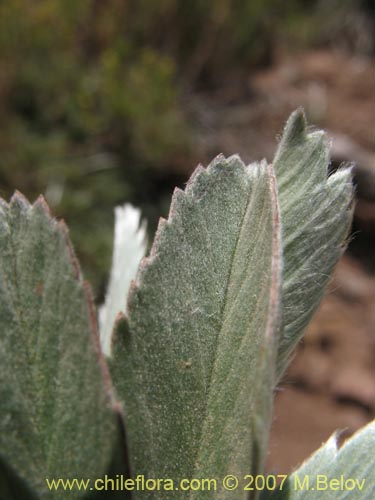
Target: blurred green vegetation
(93, 98)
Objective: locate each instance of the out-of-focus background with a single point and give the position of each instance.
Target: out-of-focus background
(107, 101)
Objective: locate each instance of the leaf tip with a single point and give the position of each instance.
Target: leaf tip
(161, 225)
(41, 204)
(117, 325)
(18, 199)
(295, 127)
(197, 172)
(178, 194)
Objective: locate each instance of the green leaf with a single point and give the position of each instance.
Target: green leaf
(194, 359)
(128, 249)
(316, 216)
(335, 474)
(56, 416)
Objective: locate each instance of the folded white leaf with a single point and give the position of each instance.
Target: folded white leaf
(129, 248)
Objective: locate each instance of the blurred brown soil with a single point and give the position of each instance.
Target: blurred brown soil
(330, 384)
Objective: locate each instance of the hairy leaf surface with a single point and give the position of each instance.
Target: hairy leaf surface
(194, 359)
(316, 215)
(56, 419)
(335, 474)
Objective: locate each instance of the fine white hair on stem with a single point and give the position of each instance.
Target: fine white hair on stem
(128, 249)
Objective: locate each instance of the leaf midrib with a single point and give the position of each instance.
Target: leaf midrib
(249, 204)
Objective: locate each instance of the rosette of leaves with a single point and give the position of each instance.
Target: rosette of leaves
(196, 335)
